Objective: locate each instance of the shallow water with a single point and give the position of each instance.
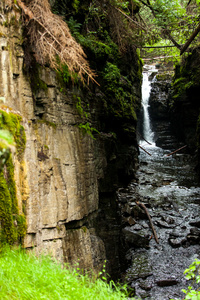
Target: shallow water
(168, 186)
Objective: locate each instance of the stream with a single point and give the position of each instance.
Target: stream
(168, 186)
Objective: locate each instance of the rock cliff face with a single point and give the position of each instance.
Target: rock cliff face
(67, 180)
(185, 100)
(159, 108)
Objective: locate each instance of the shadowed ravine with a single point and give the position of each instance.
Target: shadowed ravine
(168, 187)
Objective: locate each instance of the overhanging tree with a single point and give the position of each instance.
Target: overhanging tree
(177, 20)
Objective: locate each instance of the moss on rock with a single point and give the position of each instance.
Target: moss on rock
(7, 233)
(11, 122)
(12, 224)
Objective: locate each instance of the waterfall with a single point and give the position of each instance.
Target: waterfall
(146, 89)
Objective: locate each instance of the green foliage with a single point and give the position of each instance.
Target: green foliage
(186, 78)
(62, 7)
(74, 26)
(168, 13)
(169, 53)
(118, 89)
(99, 50)
(107, 43)
(88, 129)
(165, 18)
(111, 75)
(25, 277)
(96, 42)
(85, 127)
(192, 273)
(75, 5)
(13, 131)
(80, 107)
(120, 3)
(65, 77)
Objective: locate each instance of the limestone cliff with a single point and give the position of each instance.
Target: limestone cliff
(66, 181)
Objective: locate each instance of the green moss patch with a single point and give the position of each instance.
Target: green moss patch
(11, 122)
(120, 97)
(12, 224)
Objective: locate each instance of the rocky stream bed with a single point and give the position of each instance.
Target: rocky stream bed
(169, 189)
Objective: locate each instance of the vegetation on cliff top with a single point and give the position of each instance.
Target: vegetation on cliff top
(50, 38)
(23, 276)
(133, 22)
(108, 38)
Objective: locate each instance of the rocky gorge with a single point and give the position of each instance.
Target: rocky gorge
(67, 175)
(160, 210)
(77, 172)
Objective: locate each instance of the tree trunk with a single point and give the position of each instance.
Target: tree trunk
(192, 37)
(167, 33)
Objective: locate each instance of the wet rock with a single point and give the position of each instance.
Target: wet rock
(166, 182)
(196, 201)
(130, 198)
(135, 238)
(122, 199)
(129, 254)
(129, 220)
(194, 236)
(123, 190)
(177, 242)
(140, 268)
(137, 227)
(167, 206)
(149, 172)
(195, 231)
(168, 219)
(195, 223)
(142, 293)
(156, 184)
(144, 224)
(176, 233)
(177, 238)
(143, 163)
(167, 282)
(137, 212)
(163, 224)
(145, 284)
(126, 209)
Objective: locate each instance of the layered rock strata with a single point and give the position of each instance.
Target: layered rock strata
(67, 176)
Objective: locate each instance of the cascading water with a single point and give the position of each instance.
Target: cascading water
(146, 89)
(169, 188)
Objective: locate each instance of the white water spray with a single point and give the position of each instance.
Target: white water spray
(146, 89)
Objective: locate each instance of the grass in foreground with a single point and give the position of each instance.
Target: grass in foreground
(23, 276)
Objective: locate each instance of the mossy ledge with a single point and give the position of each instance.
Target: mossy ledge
(12, 223)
